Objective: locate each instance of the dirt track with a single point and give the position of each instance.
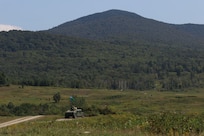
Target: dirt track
(20, 120)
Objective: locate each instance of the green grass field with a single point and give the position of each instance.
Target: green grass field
(132, 111)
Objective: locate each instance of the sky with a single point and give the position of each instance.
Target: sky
(37, 15)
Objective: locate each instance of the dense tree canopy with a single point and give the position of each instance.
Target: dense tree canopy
(39, 59)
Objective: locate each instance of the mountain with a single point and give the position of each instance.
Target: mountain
(113, 49)
(117, 25)
(193, 29)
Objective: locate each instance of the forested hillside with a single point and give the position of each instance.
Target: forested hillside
(40, 59)
(113, 49)
(116, 25)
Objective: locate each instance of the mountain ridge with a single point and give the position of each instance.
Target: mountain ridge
(123, 25)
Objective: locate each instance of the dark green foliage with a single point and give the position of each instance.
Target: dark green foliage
(57, 97)
(94, 110)
(3, 79)
(106, 110)
(10, 105)
(26, 109)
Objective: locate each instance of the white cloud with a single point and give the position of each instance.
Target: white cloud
(9, 27)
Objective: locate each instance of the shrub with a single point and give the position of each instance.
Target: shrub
(30, 109)
(57, 97)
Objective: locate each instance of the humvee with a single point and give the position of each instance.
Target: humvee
(74, 113)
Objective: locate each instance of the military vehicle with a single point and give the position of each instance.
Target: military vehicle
(74, 113)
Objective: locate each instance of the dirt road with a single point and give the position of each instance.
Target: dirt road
(20, 120)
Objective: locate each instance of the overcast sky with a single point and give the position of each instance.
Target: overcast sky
(44, 14)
